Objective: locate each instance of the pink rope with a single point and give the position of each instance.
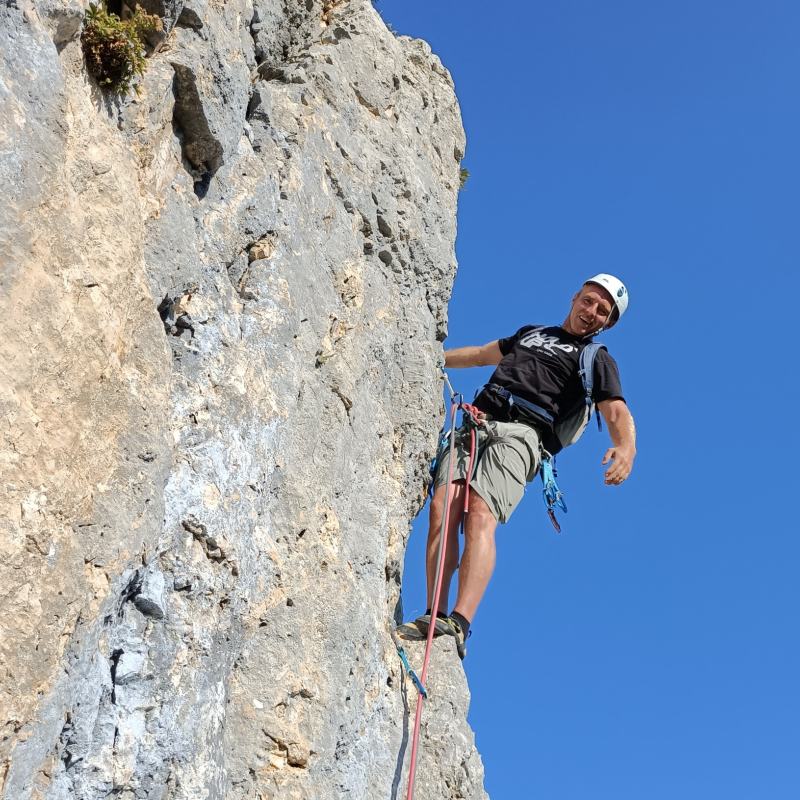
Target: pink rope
(473, 412)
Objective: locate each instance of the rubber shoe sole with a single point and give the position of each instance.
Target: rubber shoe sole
(410, 631)
(458, 634)
(423, 624)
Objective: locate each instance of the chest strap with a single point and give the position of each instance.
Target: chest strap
(514, 400)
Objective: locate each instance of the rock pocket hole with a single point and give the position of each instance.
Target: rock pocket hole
(200, 147)
(175, 319)
(115, 657)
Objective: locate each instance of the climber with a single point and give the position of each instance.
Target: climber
(536, 385)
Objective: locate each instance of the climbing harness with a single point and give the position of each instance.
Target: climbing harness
(514, 400)
(472, 421)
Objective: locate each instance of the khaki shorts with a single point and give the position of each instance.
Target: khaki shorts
(508, 458)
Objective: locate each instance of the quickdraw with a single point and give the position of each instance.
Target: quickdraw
(401, 651)
(551, 494)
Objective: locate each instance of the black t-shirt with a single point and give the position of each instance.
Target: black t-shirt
(540, 365)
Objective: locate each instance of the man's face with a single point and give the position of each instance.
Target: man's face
(591, 308)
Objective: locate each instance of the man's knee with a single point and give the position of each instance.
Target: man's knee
(479, 508)
(440, 496)
(437, 501)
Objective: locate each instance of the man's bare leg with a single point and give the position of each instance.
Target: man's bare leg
(477, 563)
(434, 531)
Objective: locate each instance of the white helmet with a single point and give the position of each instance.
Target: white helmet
(615, 287)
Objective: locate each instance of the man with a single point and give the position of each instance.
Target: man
(538, 365)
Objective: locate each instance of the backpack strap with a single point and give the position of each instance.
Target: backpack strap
(586, 371)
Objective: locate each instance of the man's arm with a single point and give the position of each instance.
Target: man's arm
(623, 436)
(461, 357)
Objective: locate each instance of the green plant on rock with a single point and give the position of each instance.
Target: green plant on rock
(115, 53)
(462, 178)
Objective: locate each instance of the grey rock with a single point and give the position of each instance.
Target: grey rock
(149, 598)
(235, 285)
(181, 582)
(449, 746)
(169, 11)
(128, 666)
(192, 15)
(62, 18)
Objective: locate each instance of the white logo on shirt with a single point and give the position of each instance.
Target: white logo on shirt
(536, 338)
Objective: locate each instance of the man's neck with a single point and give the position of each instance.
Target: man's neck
(566, 327)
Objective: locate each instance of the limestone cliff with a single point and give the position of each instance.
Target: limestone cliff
(221, 301)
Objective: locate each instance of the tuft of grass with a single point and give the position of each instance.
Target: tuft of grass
(462, 178)
(114, 50)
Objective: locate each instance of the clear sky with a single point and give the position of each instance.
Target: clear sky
(650, 651)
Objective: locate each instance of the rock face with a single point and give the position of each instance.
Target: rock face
(221, 302)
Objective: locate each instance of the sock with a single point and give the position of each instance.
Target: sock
(462, 621)
(439, 614)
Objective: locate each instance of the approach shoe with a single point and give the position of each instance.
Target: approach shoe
(423, 624)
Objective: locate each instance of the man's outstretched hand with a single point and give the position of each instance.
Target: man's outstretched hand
(621, 466)
(623, 435)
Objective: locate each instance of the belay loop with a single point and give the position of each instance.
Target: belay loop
(551, 494)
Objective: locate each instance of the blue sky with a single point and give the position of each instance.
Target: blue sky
(650, 651)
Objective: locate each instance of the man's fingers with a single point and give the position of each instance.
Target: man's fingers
(620, 468)
(618, 476)
(614, 464)
(618, 472)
